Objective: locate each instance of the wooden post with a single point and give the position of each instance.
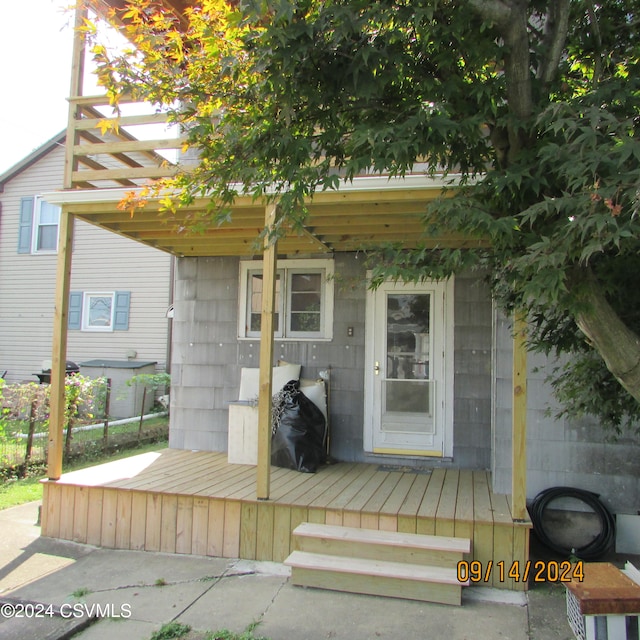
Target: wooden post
(63, 275)
(519, 422)
(59, 348)
(75, 90)
(269, 269)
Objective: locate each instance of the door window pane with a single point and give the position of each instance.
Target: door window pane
(408, 336)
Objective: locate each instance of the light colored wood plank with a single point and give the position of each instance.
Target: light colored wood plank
(363, 496)
(298, 516)
(109, 518)
(153, 522)
(80, 514)
(127, 146)
(248, 530)
(391, 579)
(519, 420)
(168, 523)
(313, 485)
(327, 498)
(351, 518)
(138, 520)
(123, 520)
(359, 537)
(348, 493)
(483, 520)
(284, 481)
(52, 508)
(369, 520)
(521, 553)
(46, 501)
(184, 524)
(264, 534)
(215, 528)
(464, 505)
(200, 525)
(383, 493)
(231, 539)
(265, 392)
(398, 496)
(94, 516)
(333, 516)
(426, 516)
(57, 404)
(316, 515)
(281, 533)
(445, 515)
(407, 514)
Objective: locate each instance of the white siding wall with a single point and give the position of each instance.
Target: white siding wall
(102, 261)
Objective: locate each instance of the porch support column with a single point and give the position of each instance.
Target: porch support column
(269, 268)
(59, 348)
(519, 421)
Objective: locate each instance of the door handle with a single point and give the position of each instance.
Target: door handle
(376, 368)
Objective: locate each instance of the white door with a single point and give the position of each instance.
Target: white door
(408, 385)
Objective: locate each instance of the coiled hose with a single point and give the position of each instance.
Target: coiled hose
(593, 550)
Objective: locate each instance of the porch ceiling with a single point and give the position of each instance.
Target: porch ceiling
(350, 220)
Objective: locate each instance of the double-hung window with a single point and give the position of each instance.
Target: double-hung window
(45, 229)
(303, 304)
(38, 227)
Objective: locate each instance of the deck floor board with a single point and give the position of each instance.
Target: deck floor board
(196, 502)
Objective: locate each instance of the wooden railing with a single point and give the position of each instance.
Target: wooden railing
(109, 151)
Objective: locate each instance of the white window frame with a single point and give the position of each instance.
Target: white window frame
(35, 231)
(86, 303)
(287, 268)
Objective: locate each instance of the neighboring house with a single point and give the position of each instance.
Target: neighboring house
(120, 289)
(421, 376)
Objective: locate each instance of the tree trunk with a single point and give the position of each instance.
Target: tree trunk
(612, 339)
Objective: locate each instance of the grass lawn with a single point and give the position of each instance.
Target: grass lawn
(15, 492)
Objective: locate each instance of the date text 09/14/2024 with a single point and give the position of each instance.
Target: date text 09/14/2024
(539, 571)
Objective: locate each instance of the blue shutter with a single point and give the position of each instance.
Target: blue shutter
(26, 224)
(75, 310)
(121, 316)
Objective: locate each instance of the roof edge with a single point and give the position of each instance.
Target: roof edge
(32, 158)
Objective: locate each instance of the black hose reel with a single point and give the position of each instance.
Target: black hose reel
(592, 550)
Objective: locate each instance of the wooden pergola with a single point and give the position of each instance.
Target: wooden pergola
(367, 213)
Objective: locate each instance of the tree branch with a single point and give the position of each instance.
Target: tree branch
(554, 39)
(595, 26)
(495, 11)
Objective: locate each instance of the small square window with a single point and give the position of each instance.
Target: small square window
(98, 312)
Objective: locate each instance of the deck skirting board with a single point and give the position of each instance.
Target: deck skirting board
(226, 520)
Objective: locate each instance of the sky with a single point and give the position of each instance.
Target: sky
(35, 49)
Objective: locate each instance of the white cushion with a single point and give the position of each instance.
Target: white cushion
(315, 391)
(250, 380)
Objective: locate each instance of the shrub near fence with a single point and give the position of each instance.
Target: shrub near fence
(24, 421)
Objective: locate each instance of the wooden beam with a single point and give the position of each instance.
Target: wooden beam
(519, 422)
(269, 267)
(59, 346)
(77, 76)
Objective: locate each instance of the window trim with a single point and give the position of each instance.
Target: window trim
(36, 225)
(286, 268)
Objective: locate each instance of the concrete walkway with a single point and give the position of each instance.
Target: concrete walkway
(96, 594)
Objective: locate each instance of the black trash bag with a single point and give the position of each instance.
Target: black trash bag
(298, 431)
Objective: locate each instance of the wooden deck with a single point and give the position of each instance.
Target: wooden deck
(190, 502)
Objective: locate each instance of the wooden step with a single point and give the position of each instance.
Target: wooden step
(391, 546)
(373, 577)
